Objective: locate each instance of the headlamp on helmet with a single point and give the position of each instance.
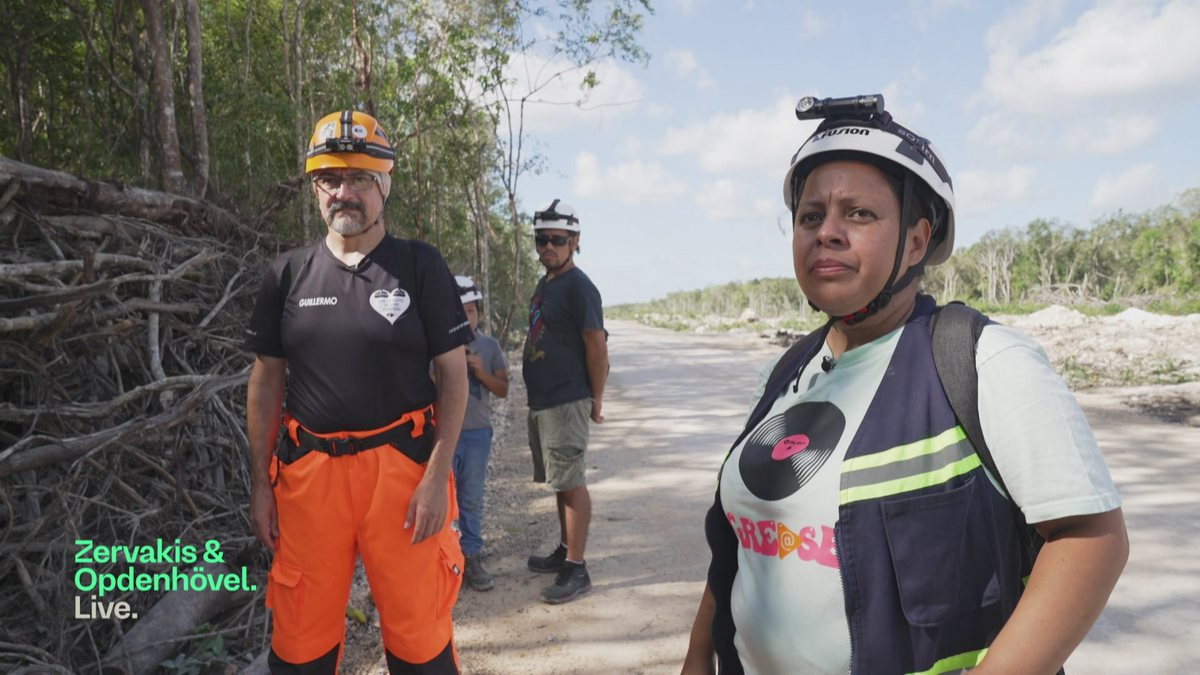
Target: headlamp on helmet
(349, 140)
(862, 107)
(556, 215)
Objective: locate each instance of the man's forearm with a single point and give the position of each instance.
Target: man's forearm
(597, 365)
(451, 406)
(264, 402)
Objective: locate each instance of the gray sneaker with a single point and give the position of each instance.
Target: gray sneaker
(475, 576)
(572, 582)
(549, 564)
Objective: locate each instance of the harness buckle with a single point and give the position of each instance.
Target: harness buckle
(339, 447)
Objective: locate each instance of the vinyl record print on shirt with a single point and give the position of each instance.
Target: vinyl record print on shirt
(787, 450)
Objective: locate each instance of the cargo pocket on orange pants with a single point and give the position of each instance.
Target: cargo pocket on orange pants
(285, 597)
(450, 557)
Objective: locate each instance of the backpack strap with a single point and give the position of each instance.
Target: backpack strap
(299, 258)
(956, 329)
(788, 366)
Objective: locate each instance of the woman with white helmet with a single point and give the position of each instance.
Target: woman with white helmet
(858, 526)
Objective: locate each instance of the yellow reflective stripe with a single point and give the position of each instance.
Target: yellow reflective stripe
(894, 487)
(958, 662)
(902, 452)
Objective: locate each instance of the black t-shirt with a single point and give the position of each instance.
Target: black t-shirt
(555, 359)
(359, 345)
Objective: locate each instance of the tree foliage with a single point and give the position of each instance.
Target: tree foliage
(81, 95)
(1124, 256)
(1152, 253)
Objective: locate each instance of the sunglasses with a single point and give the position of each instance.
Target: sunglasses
(331, 182)
(556, 239)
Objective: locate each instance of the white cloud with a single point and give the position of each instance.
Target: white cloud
(980, 191)
(1097, 86)
(812, 23)
(1016, 137)
(681, 61)
(922, 11)
(727, 200)
(1005, 38)
(748, 142)
(684, 64)
(1138, 187)
(1120, 49)
(937, 6)
(631, 146)
(659, 111)
(557, 99)
(685, 6)
(632, 183)
(897, 96)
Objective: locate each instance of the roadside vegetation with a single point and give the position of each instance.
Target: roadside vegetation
(1149, 260)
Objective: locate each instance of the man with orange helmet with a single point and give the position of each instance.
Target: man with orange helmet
(347, 328)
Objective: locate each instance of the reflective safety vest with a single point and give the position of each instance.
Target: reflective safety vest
(930, 555)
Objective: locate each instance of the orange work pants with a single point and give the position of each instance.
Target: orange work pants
(331, 509)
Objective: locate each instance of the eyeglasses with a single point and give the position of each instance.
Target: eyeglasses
(556, 239)
(331, 182)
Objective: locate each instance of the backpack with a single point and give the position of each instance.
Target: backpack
(300, 257)
(955, 330)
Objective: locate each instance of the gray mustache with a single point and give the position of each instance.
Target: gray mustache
(336, 206)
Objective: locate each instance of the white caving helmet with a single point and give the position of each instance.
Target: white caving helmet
(467, 290)
(557, 215)
(860, 129)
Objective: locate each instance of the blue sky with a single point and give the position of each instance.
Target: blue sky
(1048, 108)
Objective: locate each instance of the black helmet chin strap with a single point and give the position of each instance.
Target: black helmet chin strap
(570, 257)
(907, 216)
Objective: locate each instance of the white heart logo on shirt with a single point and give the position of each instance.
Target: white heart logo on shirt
(390, 305)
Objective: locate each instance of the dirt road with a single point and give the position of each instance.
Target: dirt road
(675, 401)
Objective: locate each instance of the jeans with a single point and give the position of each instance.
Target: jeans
(470, 468)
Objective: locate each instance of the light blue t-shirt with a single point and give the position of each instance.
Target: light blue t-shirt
(786, 600)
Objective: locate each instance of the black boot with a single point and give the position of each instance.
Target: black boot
(572, 582)
(550, 563)
(476, 576)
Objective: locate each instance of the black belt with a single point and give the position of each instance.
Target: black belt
(400, 436)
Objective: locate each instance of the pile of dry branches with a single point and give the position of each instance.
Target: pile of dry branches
(121, 415)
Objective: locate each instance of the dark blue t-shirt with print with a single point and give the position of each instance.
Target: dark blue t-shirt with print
(555, 359)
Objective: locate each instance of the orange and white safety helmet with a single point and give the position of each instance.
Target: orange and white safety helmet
(349, 140)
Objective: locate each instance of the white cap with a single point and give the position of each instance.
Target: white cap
(467, 290)
(556, 215)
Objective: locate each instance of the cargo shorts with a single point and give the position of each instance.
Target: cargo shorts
(558, 439)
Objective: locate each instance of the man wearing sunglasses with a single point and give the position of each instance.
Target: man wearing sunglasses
(565, 366)
(344, 332)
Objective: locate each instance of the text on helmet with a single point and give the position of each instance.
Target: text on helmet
(856, 131)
